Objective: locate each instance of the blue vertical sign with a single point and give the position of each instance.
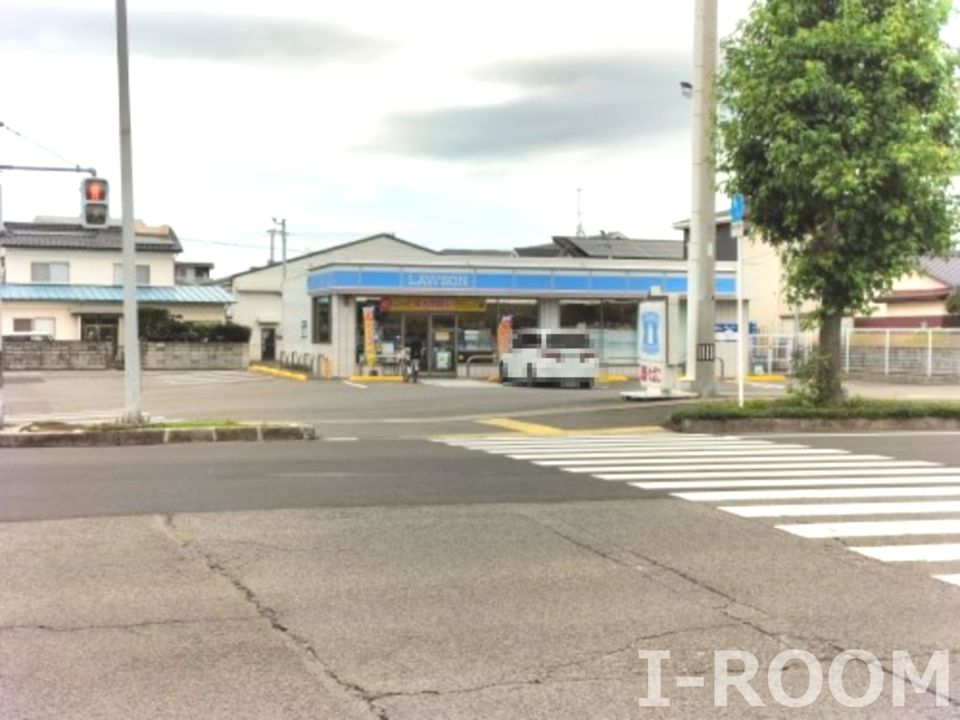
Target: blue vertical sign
(736, 208)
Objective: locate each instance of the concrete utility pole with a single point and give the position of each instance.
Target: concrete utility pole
(131, 329)
(272, 232)
(283, 243)
(701, 312)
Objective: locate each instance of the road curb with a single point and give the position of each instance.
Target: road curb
(375, 378)
(158, 436)
(802, 425)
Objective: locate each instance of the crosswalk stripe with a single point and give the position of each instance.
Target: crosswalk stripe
(929, 476)
(675, 449)
(630, 472)
(918, 467)
(618, 457)
(911, 553)
(813, 494)
(587, 439)
(653, 464)
(809, 510)
(952, 579)
(878, 528)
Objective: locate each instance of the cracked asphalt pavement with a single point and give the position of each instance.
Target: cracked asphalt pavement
(409, 580)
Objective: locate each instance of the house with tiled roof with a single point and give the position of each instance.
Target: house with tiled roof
(66, 281)
(919, 299)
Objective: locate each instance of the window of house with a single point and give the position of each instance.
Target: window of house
(321, 319)
(50, 272)
(143, 274)
(40, 326)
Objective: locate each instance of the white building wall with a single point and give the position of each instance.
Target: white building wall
(87, 267)
(66, 325)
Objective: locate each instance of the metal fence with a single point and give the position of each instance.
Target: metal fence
(904, 353)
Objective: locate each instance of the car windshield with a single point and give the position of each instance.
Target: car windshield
(568, 341)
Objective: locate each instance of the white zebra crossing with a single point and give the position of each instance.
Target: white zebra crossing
(751, 478)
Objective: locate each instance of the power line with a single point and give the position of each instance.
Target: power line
(34, 142)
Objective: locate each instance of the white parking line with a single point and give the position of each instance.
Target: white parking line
(524, 453)
(810, 510)
(952, 579)
(355, 385)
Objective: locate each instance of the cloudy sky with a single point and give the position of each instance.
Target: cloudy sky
(450, 124)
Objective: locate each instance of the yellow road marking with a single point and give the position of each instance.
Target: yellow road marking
(277, 372)
(375, 378)
(528, 428)
(522, 427)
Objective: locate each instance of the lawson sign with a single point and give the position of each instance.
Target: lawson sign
(438, 280)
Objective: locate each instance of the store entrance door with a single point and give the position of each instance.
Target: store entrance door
(443, 344)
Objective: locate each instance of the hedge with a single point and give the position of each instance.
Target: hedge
(158, 325)
(791, 409)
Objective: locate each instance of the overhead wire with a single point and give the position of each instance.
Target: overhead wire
(39, 145)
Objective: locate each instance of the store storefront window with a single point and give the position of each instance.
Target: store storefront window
(321, 319)
(611, 324)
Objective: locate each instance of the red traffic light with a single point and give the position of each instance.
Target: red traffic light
(95, 190)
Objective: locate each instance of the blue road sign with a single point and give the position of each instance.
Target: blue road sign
(736, 208)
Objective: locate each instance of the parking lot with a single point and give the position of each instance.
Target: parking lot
(351, 408)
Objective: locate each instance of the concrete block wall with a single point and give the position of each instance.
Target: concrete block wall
(58, 355)
(194, 356)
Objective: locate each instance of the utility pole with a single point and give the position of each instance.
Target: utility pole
(131, 329)
(701, 311)
(283, 243)
(272, 232)
(580, 230)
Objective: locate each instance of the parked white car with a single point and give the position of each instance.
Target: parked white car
(550, 356)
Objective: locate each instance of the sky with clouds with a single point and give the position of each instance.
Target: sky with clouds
(450, 124)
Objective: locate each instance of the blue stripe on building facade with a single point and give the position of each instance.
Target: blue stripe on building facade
(471, 281)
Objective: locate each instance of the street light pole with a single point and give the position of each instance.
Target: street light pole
(131, 330)
(701, 312)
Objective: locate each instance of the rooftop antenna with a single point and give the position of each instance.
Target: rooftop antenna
(580, 231)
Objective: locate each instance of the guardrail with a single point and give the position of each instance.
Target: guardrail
(490, 358)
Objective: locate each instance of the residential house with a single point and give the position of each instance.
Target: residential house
(192, 273)
(918, 300)
(66, 281)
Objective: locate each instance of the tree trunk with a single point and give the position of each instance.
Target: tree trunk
(830, 346)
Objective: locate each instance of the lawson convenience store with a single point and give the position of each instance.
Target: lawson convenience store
(449, 310)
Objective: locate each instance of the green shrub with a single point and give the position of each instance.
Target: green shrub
(158, 325)
(795, 408)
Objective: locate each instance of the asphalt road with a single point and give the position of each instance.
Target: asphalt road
(372, 410)
(410, 579)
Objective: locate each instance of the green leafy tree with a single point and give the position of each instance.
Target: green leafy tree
(839, 121)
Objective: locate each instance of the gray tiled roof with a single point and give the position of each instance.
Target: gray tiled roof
(618, 246)
(946, 270)
(77, 237)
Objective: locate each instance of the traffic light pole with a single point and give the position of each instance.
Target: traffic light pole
(131, 330)
(45, 168)
(701, 311)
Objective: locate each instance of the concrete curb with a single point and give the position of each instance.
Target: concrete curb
(797, 425)
(158, 436)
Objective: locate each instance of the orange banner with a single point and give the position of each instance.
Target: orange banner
(369, 336)
(411, 303)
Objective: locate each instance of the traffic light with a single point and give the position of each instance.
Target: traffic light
(95, 193)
